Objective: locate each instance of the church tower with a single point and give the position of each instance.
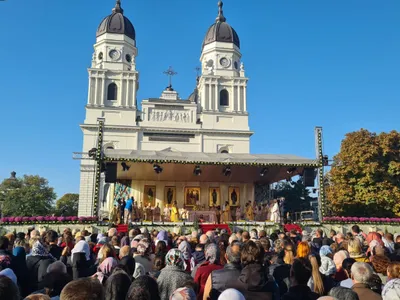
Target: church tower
(222, 84)
(113, 78)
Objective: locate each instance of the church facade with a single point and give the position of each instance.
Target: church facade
(212, 120)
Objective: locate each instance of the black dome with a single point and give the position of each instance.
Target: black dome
(116, 23)
(221, 31)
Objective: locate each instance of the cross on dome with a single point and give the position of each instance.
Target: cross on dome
(220, 17)
(118, 8)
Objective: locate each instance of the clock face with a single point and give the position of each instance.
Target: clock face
(128, 58)
(224, 62)
(114, 54)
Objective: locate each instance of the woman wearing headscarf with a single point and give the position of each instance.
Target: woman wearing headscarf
(212, 263)
(127, 263)
(173, 276)
(104, 269)
(380, 262)
(37, 264)
(80, 260)
(142, 255)
(184, 247)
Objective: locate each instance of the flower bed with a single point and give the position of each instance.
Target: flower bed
(47, 220)
(361, 220)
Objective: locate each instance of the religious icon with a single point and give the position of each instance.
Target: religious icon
(214, 196)
(169, 195)
(192, 196)
(234, 196)
(149, 195)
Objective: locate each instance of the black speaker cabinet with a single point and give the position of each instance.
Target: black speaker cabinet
(111, 172)
(309, 177)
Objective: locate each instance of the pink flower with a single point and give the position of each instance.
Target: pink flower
(11, 219)
(5, 219)
(61, 219)
(18, 219)
(32, 219)
(53, 218)
(40, 218)
(47, 218)
(68, 218)
(25, 219)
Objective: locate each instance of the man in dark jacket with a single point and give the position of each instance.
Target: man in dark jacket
(300, 273)
(219, 279)
(52, 239)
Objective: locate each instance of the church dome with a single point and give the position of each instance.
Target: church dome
(116, 23)
(221, 31)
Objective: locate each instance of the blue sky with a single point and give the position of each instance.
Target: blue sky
(311, 63)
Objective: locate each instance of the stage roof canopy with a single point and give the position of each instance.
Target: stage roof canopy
(179, 166)
(172, 156)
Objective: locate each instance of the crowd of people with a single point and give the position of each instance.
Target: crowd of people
(143, 265)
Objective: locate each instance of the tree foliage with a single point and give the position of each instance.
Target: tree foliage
(297, 196)
(365, 175)
(67, 205)
(27, 196)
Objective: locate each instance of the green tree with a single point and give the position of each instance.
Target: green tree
(30, 195)
(297, 196)
(67, 205)
(365, 175)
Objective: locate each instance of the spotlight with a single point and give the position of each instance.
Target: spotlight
(157, 169)
(291, 170)
(227, 171)
(263, 172)
(92, 153)
(197, 171)
(314, 190)
(125, 167)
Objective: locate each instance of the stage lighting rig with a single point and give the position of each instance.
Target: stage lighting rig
(125, 167)
(157, 169)
(197, 171)
(263, 172)
(227, 171)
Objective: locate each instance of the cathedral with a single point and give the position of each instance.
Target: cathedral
(194, 150)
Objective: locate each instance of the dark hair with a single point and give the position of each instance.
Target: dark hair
(83, 288)
(20, 235)
(355, 228)
(54, 283)
(245, 235)
(347, 263)
(343, 293)
(127, 263)
(8, 289)
(274, 236)
(252, 253)
(4, 242)
(161, 247)
(117, 286)
(51, 236)
(262, 233)
(301, 270)
(266, 244)
(159, 263)
(143, 288)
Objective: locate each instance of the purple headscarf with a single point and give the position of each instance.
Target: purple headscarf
(105, 268)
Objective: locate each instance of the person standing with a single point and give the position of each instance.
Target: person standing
(174, 213)
(167, 213)
(157, 213)
(226, 212)
(275, 217)
(238, 213)
(121, 210)
(128, 210)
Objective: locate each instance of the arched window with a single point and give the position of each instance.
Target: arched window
(224, 98)
(112, 92)
(224, 151)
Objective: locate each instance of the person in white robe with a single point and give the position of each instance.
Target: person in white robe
(275, 214)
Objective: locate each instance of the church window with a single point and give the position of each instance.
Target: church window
(224, 98)
(112, 92)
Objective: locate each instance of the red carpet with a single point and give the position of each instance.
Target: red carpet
(122, 228)
(207, 227)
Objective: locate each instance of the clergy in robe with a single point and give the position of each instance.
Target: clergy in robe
(167, 213)
(174, 213)
(249, 212)
(148, 213)
(226, 213)
(238, 213)
(275, 215)
(157, 213)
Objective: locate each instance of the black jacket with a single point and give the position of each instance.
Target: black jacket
(37, 269)
(55, 251)
(220, 279)
(255, 284)
(300, 292)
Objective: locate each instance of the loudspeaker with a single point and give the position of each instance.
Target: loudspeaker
(309, 177)
(111, 172)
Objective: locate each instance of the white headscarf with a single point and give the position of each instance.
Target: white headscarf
(81, 247)
(231, 294)
(391, 290)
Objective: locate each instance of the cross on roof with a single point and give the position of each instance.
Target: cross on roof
(170, 72)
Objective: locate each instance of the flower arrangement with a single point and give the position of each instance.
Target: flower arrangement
(47, 220)
(365, 220)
